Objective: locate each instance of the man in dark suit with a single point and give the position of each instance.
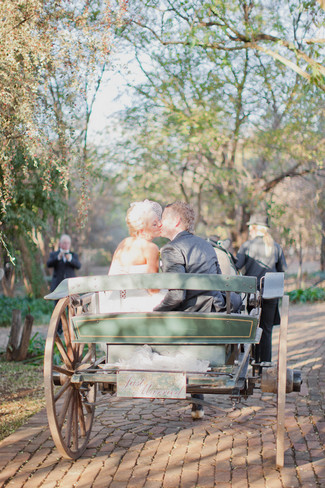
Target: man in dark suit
(187, 253)
(63, 261)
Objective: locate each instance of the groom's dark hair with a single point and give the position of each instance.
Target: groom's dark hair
(186, 213)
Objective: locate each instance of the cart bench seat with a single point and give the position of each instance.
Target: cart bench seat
(161, 327)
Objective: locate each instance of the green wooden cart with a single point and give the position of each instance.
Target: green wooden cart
(74, 374)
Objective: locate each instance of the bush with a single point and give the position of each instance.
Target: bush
(39, 308)
(312, 294)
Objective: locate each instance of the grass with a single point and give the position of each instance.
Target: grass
(21, 393)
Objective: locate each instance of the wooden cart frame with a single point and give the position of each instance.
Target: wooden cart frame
(73, 373)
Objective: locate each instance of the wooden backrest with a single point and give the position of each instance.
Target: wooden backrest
(161, 327)
(175, 281)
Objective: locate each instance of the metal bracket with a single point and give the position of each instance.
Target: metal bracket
(273, 285)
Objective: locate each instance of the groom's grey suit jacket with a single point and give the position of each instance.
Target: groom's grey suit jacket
(188, 253)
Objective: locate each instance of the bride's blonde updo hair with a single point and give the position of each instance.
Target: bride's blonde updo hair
(139, 214)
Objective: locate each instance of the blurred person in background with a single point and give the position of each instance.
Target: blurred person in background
(257, 256)
(63, 261)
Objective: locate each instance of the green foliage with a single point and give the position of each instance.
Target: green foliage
(26, 214)
(219, 116)
(312, 294)
(39, 308)
(101, 258)
(52, 60)
(31, 206)
(36, 349)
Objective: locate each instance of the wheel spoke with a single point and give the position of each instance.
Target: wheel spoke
(75, 420)
(79, 351)
(90, 354)
(69, 421)
(65, 408)
(81, 417)
(67, 338)
(58, 395)
(58, 369)
(63, 352)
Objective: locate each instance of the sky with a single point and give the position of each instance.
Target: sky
(114, 94)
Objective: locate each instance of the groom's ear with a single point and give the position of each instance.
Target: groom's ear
(178, 221)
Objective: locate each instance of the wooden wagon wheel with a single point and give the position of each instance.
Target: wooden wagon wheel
(69, 406)
(282, 382)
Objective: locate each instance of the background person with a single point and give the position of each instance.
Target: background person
(257, 256)
(63, 261)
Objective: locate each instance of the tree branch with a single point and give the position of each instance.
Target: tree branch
(250, 43)
(287, 174)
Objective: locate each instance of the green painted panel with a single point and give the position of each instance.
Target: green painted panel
(184, 281)
(165, 328)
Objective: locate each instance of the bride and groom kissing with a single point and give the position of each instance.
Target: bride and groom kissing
(184, 253)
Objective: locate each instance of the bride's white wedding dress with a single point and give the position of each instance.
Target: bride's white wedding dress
(129, 300)
(144, 357)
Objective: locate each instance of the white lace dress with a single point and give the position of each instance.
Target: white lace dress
(129, 300)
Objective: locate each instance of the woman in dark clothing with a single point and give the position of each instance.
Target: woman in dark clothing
(257, 256)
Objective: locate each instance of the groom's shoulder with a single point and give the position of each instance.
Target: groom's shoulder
(186, 238)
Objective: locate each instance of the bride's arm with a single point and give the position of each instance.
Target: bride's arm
(152, 258)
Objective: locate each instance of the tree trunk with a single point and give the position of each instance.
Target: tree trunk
(322, 247)
(18, 342)
(24, 343)
(8, 281)
(15, 335)
(299, 273)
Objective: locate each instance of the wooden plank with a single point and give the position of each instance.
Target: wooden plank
(282, 379)
(165, 328)
(184, 281)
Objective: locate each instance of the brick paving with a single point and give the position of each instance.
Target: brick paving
(155, 444)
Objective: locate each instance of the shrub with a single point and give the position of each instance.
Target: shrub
(312, 294)
(39, 308)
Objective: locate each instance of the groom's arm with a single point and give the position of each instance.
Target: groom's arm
(172, 262)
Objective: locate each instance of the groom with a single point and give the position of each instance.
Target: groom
(187, 253)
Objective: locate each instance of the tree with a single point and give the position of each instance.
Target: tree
(53, 55)
(217, 122)
(277, 30)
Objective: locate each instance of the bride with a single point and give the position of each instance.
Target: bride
(136, 254)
